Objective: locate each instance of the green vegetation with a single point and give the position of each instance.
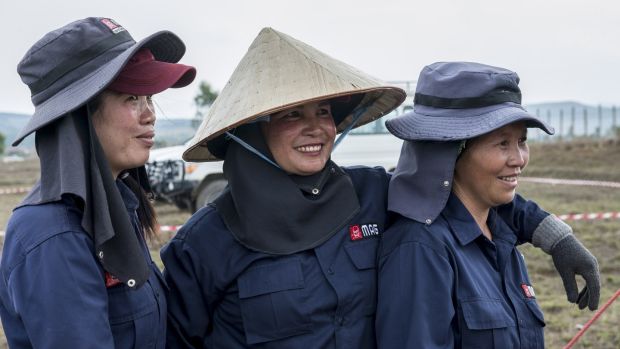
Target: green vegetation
(203, 100)
(576, 160)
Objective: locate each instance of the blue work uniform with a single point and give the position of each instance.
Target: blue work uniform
(445, 285)
(53, 290)
(224, 295)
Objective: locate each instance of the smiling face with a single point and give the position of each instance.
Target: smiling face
(301, 138)
(486, 173)
(125, 127)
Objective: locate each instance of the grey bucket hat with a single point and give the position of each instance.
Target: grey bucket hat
(72, 64)
(462, 100)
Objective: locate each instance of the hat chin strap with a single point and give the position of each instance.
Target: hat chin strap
(356, 116)
(251, 149)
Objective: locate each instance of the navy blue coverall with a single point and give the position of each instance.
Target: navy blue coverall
(224, 295)
(446, 285)
(53, 292)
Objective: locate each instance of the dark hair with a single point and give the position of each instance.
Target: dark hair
(344, 105)
(146, 211)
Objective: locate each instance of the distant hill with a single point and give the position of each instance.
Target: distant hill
(167, 131)
(566, 107)
(567, 117)
(170, 132)
(10, 125)
(572, 119)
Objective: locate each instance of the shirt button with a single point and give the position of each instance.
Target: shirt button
(446, 183)
(330, 271)
(131, 282)
(339, 320)
(428, 221)
(100, 254)
(315, 191)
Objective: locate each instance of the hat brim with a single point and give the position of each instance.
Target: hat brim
(376, 102)
(279, 72)
(165, 46)
(460, 124)
(154, 77)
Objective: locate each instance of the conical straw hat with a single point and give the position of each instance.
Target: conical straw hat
(279, 72)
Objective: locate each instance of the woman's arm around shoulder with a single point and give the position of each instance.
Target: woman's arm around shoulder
(415, 282)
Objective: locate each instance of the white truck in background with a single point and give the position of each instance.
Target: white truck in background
(191, 185)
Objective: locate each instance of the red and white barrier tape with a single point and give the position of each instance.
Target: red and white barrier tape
(7, 191)
(564, 217)
(169, 228)
(590, 216)
(592, 319)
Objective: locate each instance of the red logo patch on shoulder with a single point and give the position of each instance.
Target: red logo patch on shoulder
(113, 26)
(355, 232)
(110, 280)
(360, 231)
(528, 291)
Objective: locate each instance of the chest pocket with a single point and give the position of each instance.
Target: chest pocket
(134, 316)
(272, 299)
(536, 312)
(363, 282)
(532, 334)
(488, 324)
(363, 253)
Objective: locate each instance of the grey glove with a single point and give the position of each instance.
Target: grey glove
(570, 258)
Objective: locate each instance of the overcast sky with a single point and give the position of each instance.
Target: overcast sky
(562, 49)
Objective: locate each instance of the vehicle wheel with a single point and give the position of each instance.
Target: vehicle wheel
(209, 192)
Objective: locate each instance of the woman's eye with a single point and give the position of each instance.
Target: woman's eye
(523, 140)
(324, 111)
(292, 114)
(132, 98)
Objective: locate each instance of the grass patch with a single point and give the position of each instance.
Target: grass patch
(577, 160)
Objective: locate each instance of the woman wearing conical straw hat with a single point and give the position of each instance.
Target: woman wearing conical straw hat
(285, 257)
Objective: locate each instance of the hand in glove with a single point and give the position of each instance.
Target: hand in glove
(570, 258)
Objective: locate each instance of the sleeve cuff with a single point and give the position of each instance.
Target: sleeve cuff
(549, 232)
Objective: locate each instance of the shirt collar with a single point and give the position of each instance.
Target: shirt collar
(465, 228)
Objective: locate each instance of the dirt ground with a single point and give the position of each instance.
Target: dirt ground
(580, 160)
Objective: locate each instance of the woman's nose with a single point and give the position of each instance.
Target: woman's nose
(311, 123)
(147, 111)
(518, 157)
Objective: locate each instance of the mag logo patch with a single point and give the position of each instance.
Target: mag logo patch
(361, 231)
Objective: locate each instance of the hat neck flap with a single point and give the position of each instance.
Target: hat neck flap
(422, 180)
(73, 162)
(270, 211)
